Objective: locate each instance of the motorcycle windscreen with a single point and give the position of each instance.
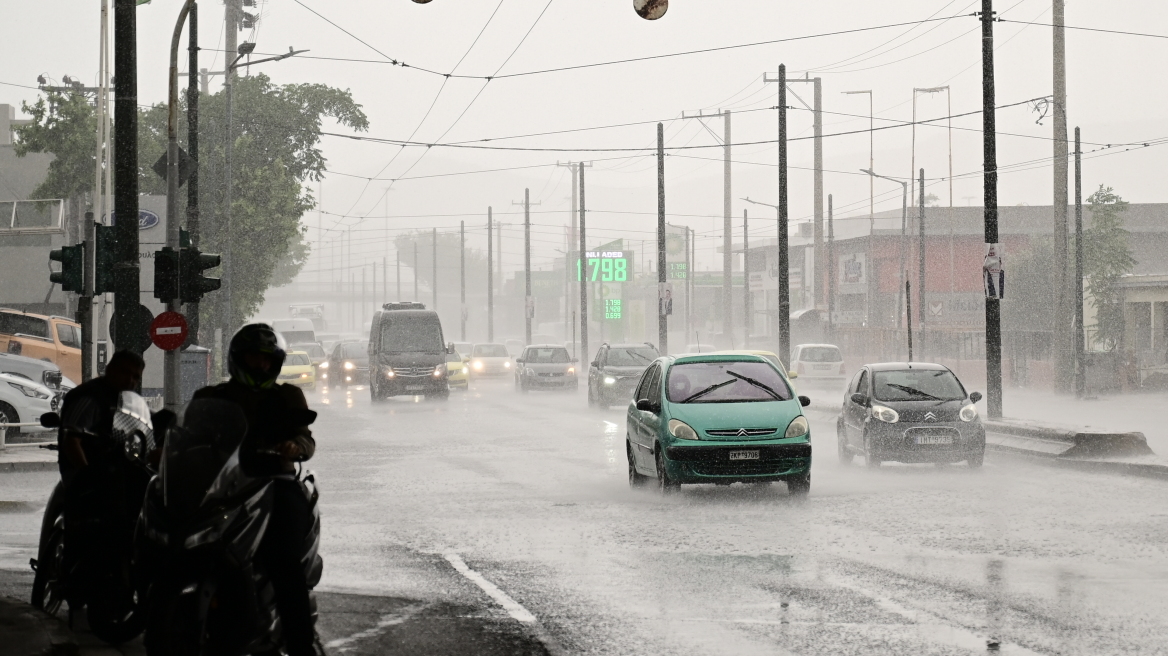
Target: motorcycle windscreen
(133, 429)
(200, 449)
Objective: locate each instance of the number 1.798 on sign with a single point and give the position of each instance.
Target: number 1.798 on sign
(603, 266)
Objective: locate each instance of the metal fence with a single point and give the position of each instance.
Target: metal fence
(32, 215)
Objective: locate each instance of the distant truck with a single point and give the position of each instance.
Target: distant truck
(49, 338)
(314, 312)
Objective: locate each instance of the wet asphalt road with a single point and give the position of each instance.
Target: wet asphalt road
(503, 523)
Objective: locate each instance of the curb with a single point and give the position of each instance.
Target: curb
(30, 466)
(30, 632)
(1140, 469)
(1052, 440)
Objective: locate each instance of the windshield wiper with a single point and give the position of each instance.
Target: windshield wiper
(762, 386)
(634, 353)
(912, 390)
(709, 389)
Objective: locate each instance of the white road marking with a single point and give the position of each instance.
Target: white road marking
(342, 645)
(513, 608)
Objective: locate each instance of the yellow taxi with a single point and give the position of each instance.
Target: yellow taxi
(774, 359)
(298, 370)
(458, 370)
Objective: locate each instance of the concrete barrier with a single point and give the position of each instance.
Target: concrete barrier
(1063, 442)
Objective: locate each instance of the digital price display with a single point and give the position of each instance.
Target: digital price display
(612, 308)
(603, 266)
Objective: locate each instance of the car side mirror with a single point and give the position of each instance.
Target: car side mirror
(596, 363)
(974, 397)
(645, 405)
(793, 374)
(804, 401)
(50, 420)
(859, 399)
(450, 347)
(518, 360)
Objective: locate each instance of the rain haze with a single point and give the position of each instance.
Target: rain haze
(578, 388)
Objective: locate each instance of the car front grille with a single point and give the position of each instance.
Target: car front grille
(551, 375)
(721, 454)
(742, 432)
(742, 468)
(413, 372)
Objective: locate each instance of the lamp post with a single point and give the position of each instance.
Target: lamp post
(949, 96)
(903, 236)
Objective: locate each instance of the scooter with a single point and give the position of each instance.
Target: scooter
(96, 571)
(201, 526)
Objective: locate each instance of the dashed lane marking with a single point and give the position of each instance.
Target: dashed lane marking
(513, 608)
(342, 645)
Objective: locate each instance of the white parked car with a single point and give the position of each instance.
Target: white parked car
(23, 400)
(820, 363)
(490, 360)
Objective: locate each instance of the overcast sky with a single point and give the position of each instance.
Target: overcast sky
(1112, 97)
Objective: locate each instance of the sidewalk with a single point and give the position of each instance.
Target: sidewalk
(29, 632)
(26, 457)
(1142, 412)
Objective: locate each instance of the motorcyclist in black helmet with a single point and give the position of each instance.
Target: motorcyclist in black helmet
(277, 437)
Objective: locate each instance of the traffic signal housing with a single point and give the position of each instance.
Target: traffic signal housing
(166, 270)
(71, 277)
(103, 275)
(192, 283)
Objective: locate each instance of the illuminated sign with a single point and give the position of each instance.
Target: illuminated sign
(604, 266)
(612, 308)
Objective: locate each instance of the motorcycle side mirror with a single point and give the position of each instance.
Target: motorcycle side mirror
(804, 401)
(974, 397)
(859, 399)
(51, 420)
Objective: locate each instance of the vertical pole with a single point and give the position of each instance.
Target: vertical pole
(747, 314)
(912, 180)
(85, 302)
(908, 315)
(784, 264)
(727, 240)
(993, 336)
(397, 272)
(949, 99)
(902, 275)
(193, 227)
(583, 286)
(871, 162)
(818, 200)
(126, 287)
(490, 280)
(416, 296)
(921, 256)
(528, 300)
(1080, 345)
(568, 251)
(462, 277)
(1064, 351)
(384, 281)
(662, 281)
(434, 266)
(230, 33)
(688, 285)
(831, 274)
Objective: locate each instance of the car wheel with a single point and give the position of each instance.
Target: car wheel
(976, 461)
(8, 415)
(636, 479)
(845, 454)
(872, 461)
(665, 484)
(800, 485)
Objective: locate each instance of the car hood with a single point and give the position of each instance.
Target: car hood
(625, 371)
(733, 416)
(918, 411)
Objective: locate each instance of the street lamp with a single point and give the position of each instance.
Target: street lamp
(784, 281)
(949, 96)
(903, 237)
(871, 157)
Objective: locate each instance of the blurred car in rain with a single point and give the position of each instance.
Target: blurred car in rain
(348, 364)
(38, 371)
(315, 352)
(24, 401)
(545, 366)
(514, 347)
(818, 363)
(41, 337)
(909, 412)
(295, 331)
(717, 418)
(463, 348)
(457, 369)
(408, 353)
(298, 370)
(490, 360)
(614, 372)
(768, 355)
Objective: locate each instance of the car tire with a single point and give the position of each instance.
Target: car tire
(799, 486)
(846, 457)
(976, 461)
(8, 415)
(665, 484)
(873, 462)
(636, 479)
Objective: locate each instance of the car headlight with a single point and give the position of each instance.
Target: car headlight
(571, 370)
(609, 380)
(465, 370)
(349, 366)
(389, 373)
(324, 376)
(304, 375)
(439, 370)
(885, 414)
(478, 364)
(682, 430)
(798, 427)
(30, 392)
(969, 412)
(324, 365)
(507, 364)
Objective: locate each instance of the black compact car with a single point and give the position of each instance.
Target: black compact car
(615, 371)
(909, 412)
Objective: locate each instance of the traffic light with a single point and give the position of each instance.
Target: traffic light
(71, 277)
(103, 275)
(192, 264)
(166, 269)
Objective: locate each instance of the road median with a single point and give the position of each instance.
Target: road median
(1086, 449)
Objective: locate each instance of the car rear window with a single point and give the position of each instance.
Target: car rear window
(917, 385)
(726, 382)
(490, 351)
(297, 359)
(12, 323)
(639, 356)
(820, 354)
(546, 356)
(356, 350)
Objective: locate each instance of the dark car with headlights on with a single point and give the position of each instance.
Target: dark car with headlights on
(909, 412)
(545, 366)
(615, 371)
(348, 364)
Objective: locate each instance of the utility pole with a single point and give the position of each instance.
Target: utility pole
(831, 274)
(747, 315)
(688, 283)
(1064, 353)
(462, 276)
(1080, 345)
(528, 300)
(817, 126)
(662, 283)
(230, 32)
(908, 315)
(490, 280)
(193, 226)
(727, 240)
(921, 257)
(434, 266)
(583, 286)
(397, 274)
(993, 312)
(568, 249)
(416, 297)
(784, 264)
(126, 284)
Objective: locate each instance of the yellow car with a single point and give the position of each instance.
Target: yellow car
(298, 371)
(457, 371)
(774, 359)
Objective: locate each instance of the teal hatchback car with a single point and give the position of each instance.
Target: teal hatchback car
(719, 419)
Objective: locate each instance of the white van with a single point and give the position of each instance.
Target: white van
(295, 331)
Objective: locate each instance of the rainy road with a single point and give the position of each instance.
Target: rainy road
(518, 506)
(500, 523)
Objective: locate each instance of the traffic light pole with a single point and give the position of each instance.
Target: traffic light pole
(490, 279)
(584, 357)
(193, 146)
(172, 396)
(126, 284)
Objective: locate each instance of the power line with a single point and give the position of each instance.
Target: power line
(1087, 29)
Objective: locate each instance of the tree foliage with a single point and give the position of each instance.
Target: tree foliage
(1107, 256)
(65, 125)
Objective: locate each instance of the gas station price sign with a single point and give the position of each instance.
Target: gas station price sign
(604, 266)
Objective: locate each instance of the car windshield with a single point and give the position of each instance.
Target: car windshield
(726, 382)
(546, 356)
(355, 350)
(12, 324)
(296, 359)
(313, 350)
(418, 334)
(820, 354)
(637, 356)
(490, 351)
(917, 385)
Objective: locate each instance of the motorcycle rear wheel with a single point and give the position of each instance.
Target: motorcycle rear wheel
(114, 623)
(48, 586)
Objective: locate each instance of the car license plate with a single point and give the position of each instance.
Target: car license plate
(822, 367)
(744, 455)
(415, 388)
(934, 439)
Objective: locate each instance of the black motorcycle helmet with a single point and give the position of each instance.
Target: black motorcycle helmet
(256, 339)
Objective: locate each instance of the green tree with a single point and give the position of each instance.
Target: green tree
(1107, 255)
(65, 125)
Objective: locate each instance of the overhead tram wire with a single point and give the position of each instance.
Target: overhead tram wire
(1087, 29)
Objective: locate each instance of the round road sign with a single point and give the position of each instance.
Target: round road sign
(168, 331)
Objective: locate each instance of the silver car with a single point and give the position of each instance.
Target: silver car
(545, 366)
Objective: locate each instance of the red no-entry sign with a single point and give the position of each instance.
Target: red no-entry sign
(168, 331)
